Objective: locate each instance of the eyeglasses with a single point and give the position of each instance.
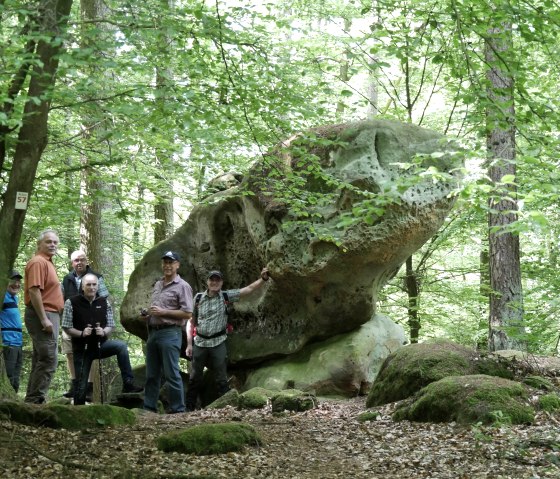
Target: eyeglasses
(80, 260)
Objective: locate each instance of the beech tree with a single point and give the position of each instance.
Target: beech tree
(24, 116)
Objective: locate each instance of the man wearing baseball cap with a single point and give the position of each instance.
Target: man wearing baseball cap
(172, 305)
(11, 326)
(210, 320)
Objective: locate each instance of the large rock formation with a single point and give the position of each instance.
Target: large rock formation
(325, 278)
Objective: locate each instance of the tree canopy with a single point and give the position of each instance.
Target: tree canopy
(159, 96)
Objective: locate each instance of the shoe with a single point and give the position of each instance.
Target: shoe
(70, 393)
(89, 392)
(130, 387)
(189, 408)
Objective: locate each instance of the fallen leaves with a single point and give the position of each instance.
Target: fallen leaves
(327, 442)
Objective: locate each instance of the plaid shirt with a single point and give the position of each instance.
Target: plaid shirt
(212, 317)
(68, 315)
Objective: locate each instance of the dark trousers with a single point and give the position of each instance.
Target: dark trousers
(13, 359)
(84, 358)
(214, 358)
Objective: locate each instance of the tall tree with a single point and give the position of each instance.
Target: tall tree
(163, 205)
(101, 230)
(506, 310)
(43, 42)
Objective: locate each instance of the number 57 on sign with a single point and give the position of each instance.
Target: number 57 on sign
(21, 200)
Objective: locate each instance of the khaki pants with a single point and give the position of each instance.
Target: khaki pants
(45, 355)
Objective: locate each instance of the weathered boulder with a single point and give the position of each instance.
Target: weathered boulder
(343, 365)
(413, 367)
(325, 279)
(469, 400)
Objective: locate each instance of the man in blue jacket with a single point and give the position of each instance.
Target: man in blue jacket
(11, 326)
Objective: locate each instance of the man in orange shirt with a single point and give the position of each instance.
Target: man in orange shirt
(43, 304)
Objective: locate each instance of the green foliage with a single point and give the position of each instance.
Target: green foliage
(234, 80)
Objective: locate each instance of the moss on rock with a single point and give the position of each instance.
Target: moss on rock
(231, 398)
(549, 402)
(28, 414)
(538, 382)
(293, 400)
(206, 439)
(413, 367)
(255, 398)
(467, 400)
(93, 415)
(368, 416)
(67, 417)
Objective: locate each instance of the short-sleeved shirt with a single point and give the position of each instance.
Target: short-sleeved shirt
(10, 321)
(176, 295)
(40, 272)
(212, 317)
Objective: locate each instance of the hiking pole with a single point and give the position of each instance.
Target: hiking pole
(100, 368)
(81, 375)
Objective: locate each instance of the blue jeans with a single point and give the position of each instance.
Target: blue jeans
(83, 360)
(45, 355)
(162, 353)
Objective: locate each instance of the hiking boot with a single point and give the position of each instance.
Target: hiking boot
(130, 387)
(89, 392)
(70, 393)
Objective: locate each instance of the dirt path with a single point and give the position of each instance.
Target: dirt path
(327, 442)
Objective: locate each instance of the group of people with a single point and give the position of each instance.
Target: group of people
(87, 323)
(173, 309)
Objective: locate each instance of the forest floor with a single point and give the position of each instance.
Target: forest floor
(327, 442)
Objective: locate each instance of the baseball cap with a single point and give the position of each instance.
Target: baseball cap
(15, 275)
(171, 255)
(215, 272)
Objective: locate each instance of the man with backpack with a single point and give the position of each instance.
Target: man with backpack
(208, 346)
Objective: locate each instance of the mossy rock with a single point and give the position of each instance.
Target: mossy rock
(231, 398)
(293, 400)
(413, 367)
(549, 402)
(206, 439)
(29, 414)
(538, 382)
(368, 416)
(469, 400)
(90, 416)
(67, 417)
(255, 398)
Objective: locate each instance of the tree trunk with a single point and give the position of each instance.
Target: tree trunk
(506, 311)
(32, 136)
(163, 207)
(413, 292)
(344, 67)
(101, 229)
